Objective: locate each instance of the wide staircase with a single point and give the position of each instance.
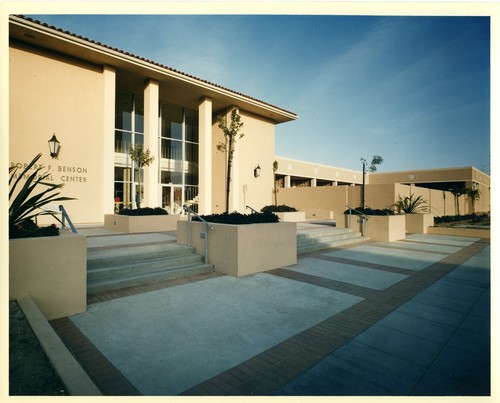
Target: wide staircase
(120, 261)
(313, 238)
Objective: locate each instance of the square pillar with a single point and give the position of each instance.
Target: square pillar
(314, 182)
(205, 156)
(151, 130)
(108, 171)
(288, 181)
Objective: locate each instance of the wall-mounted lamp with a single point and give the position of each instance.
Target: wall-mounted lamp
(256, 171)
(54, 146)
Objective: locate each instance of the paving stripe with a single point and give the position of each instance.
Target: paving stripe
(409, 249)
(267, 372)
(368, 265)
(106, 377)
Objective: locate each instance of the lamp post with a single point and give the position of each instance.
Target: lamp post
(54, 146)
(363, 187)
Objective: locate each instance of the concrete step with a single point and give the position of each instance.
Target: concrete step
(327, 245)
(117, 262)
(325, 238)
(134, 278)
(141, 266)
(113, 256)
(322, 231)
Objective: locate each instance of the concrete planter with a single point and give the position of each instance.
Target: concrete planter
(239, 250)
(138, 224)
(52, 270)
(387, 228)
(466, 232)
(291, 216)
(419, 223)
(320, 214)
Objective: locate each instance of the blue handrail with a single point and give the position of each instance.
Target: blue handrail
(65, 217)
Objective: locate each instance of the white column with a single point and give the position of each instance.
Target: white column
(205, 156)
(288, 181)
(151, 130)
(314, 182)
(108, 167)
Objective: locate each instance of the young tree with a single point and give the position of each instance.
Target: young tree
(376, 160)
(141, 158)
(474, 195)
(275, 168)
(231, 135)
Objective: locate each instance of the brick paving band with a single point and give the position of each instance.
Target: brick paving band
(268, 371)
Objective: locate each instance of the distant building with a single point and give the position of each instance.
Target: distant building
(98, 101)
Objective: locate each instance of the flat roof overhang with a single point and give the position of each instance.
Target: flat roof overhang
(182, 88)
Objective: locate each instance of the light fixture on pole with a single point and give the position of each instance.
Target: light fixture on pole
(54, 146)
(256, 171)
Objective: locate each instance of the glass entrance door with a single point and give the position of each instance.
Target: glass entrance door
(172, 199)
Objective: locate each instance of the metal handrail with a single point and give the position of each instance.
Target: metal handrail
(359, 212)
(207, 226)
(253, 210)
(65, 217)
(364, 218)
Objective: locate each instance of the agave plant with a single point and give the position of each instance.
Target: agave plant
(26, 203)
(411, 205)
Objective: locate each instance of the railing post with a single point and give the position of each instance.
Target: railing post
(65, 217)
(207, 226)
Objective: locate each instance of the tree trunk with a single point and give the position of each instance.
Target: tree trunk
(228, 177)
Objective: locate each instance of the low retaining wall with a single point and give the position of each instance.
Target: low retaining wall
(52, 270)
(291, 216)
(239, 250)
(419, 223)
(386, 228)
(138, 224)
(466, 232)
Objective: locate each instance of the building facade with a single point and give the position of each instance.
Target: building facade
(99, 101)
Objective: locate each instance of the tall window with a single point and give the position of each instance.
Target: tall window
(129, 129)
(179, 157)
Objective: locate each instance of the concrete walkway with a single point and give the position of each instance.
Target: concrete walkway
(384, 319)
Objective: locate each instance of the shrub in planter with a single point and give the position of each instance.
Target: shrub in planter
(28, 229)
(240, 219)
(143, 211)
(278, 209)
(412, 205)
(369, 211)
(26, 203)
(473, 218)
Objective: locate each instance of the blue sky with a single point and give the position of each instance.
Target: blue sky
(414, 90)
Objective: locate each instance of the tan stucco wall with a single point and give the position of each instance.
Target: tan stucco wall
(335, 198)
(240, 250)
(52, 270)
(288, 166)
(50, 94)
(425, 175)
(256, 147)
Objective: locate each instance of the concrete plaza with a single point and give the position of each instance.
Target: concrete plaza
(383, 319)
